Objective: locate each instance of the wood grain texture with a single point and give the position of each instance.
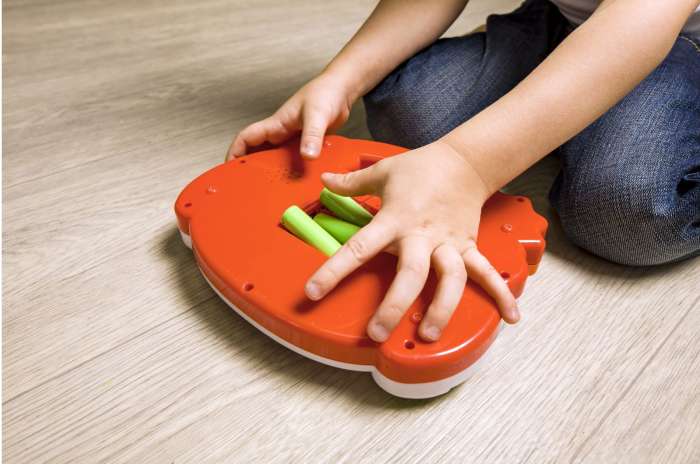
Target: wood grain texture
(116, 350)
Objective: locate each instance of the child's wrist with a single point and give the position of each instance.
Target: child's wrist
(348, 83)
(470, 155)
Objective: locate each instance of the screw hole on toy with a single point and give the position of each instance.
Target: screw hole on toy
(187, 205)
(242, 161)
(521, 199)
(248, 286)
(416, 317)
(409, 344)
(505, 275)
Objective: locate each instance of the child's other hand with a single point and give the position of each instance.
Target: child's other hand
(431, 206)
(321, 105)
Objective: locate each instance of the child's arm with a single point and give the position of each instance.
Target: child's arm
(591, 70)
(395, 31)
(432, 196)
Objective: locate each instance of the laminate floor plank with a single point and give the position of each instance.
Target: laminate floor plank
(116, 350)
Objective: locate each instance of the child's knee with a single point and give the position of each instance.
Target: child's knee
(631, 220)
(427, 96)
(390, 117)
(400, 114)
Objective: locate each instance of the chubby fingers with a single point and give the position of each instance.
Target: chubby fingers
(411, 274)
(366, 243)
(268, 130)
(488, 278)
(452, 277)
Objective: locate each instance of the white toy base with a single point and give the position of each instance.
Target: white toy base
(402, 390)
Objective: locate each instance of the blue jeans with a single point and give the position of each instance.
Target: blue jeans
(629, 186)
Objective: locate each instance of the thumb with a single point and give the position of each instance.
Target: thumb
(312, 131)
(363, 182)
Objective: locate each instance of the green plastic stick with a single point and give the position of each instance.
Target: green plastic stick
(345, 208)
(339, 229)
(300, 224)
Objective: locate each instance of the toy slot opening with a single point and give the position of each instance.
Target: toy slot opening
(315, 207)
(340, 233)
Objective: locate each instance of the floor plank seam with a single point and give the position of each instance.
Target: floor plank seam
(104, 259)
(117, 346)
(103, 158)
(628, 387)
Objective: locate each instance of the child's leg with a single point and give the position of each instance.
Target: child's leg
(629, 189)
(453, 79)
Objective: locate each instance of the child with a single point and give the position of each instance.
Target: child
(617, 96)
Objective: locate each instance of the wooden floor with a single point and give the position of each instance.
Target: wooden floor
(116, 350)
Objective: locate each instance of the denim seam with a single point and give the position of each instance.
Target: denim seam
(691, 41)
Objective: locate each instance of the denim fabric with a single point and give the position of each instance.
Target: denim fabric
(629, 187)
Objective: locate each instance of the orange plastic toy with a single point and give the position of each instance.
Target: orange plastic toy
(230, 217)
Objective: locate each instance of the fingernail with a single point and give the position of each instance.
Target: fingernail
(313, 291)
(310, 149)
(515, 312)
(379, 331)
(432, 332)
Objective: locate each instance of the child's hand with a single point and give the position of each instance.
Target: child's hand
(431, 206)
(322, 104)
